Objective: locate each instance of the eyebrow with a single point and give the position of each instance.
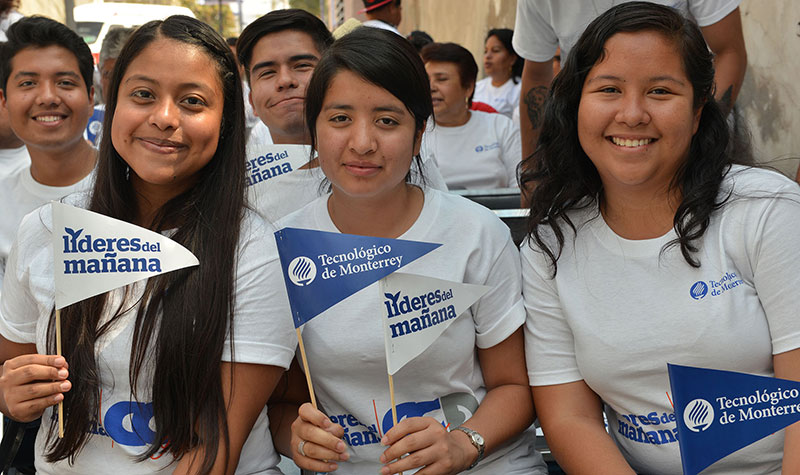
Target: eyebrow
(143, 78)
(35, 74)
(394, 109)
(611, 77)
(292, 59)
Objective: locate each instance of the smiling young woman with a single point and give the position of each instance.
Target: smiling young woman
(638, 199)
(173, 162)
(366, 108)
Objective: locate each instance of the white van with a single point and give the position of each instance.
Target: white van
(94, 20)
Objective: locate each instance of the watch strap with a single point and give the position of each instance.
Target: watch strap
(477, 441)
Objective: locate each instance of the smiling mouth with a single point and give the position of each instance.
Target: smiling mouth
(630, 143)
(161, 146)
(287, 100)
(48, 119)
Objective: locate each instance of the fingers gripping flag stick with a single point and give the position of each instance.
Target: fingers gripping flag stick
(719, 412)
(93, 254)
(320, 269)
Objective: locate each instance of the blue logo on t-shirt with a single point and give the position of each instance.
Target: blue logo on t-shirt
(699, 290)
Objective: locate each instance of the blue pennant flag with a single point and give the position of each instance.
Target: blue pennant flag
(320, 269)
(719, 412)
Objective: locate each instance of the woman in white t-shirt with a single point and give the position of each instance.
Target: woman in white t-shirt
(473, 149)
(148, 371)
(366, 109)
(500, 88)
(651, 242)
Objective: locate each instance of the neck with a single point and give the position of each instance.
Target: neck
(10, 141)
(380, 16)
(500, 79)
(456, 120)
(387, 216)
(298, 138)
(151, 198)
(64, 167)
(641, 214)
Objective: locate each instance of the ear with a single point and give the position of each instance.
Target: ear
(250, 100)
(3, 99)
(418, 138)
(91, 99)
(471, 89)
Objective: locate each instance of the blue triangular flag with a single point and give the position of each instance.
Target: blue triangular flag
(719, 412)
(320, 269)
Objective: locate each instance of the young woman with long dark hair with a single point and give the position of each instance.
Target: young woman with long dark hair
(650, 242)
(503, 67)
(190, 356)
(366, 108)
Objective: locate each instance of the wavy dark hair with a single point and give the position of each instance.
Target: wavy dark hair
(504, 36)
(562, 176)
(382, 58)
(185, 316)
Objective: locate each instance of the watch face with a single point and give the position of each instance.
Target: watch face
(478, 438)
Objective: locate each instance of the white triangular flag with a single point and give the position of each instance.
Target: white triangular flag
(417, 309)
(269, 161)
(94, 254)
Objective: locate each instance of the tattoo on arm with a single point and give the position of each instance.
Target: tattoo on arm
(534, 102)
(726, 100)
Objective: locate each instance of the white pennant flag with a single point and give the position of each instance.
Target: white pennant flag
(268, 161)
(417, 309)
(94, 254)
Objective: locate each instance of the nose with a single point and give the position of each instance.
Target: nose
(165, 115)
(433, 84)
(286, 79)
(362, 139)
(48, 94)
(633, 110)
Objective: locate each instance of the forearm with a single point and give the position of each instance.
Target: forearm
(584, 447)
(729, 72)
(787, 366)
(536, 79)
(281, 416)
(504, 413)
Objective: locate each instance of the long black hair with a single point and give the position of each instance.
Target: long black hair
(379, 57)
(561, 174)
(185, 316)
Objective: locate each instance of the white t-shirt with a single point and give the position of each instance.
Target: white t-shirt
(481, 154)
(382, 25)
(259, 134)
(263, 334)
(504, 99)
(345, 344)
(619, 310)
(544, 25)
(12, 159)
(20, 194)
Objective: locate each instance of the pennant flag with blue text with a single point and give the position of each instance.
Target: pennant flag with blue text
(321, 268)
(93, 254)
(268, 161)
(417, 309)
(719, 412)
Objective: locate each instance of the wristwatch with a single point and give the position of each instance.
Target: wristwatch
(477, 441)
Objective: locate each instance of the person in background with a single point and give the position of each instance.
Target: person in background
(544, 25)
(199, 349)
(13, 153)
(651, 242)
(250, 118)
(279, 52)
(47, 94)
(473, 149)
(500, 89)
(8, 15)
(109, 52)
(384, 14)
(367, 105)
(419, 39)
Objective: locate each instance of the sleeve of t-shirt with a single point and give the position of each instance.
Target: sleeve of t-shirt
(263, 328)
(549, 342)
(508, 133)
(19, 310)
(534, 38)
(708, 12)
(500, 311)
(772, 244)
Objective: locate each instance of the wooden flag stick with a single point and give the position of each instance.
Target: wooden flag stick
(305, 368)
(394, 406)
(58, 352)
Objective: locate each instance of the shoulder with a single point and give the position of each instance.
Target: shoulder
(303, 217)
(463, 212)
(750, 182)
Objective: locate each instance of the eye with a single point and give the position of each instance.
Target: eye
(660, 91)
(265, 73)
(608, 90)
(387, 121)
(194, 101)
(339, 119)
(26, 83)
(142, 94)
(304, 66)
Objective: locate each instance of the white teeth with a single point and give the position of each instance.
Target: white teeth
(629, 142)
(48, 118)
